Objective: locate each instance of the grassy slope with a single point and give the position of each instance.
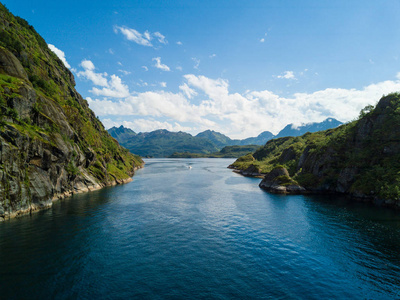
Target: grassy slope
(54, 82)
(368, 148)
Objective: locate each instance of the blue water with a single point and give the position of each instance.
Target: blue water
(200, 233)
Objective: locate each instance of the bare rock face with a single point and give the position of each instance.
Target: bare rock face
(10, 65)
(252, 171)
(278, 181)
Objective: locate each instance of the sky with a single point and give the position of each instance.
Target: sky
(236, 67)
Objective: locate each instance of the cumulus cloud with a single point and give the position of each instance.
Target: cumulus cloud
(89, 73)
(179, 43)
(60, 54)
(115, 89)
(163, 84)
(159, 65)
(187, 91)
(204, 102)
(111, 88)
(287, 75)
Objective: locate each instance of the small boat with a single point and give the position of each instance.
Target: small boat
(190, 167)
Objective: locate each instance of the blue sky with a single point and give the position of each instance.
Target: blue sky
(238, 67)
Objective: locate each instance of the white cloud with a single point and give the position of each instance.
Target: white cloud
(145, 68)
(124, 72)
(146, 125)
(159, 65)
(196, 63)
(111, 88)
(179, 43)
(189, 93)
(88, 73)
(163, 84)
(205, 103)
(287, 75)
(134, 35)
(114, 89)
(262, 40)
(143, 39)
(60, 54)
(160, 38)
(179, 68)
(213, 55)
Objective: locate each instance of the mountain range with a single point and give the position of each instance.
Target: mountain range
(163, 143)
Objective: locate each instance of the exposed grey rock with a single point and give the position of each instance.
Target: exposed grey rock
(10, 65)
(278, 181)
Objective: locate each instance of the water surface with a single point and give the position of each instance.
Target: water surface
(204, 232)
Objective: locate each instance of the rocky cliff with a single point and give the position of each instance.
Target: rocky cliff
(361, 158)
(51, 143)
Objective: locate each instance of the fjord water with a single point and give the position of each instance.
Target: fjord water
(203, 232)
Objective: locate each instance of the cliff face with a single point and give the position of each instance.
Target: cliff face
(361, 158)
(51, 143)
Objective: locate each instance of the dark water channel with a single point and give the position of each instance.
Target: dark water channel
(200, 233)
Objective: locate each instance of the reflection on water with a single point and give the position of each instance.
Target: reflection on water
(200, 232)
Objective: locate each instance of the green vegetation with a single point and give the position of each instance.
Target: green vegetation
(361, 157)
(161, 143)
(46, 108)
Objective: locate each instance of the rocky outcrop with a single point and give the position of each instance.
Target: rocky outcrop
(278, 181)
(251, 171)
(51, 144)
(10, 65)
(360, 159)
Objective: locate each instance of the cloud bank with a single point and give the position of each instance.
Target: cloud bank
(238, 115)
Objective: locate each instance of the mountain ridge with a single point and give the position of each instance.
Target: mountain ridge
(207, 142)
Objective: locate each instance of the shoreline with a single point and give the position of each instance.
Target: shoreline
(353, 196)
(79, 188)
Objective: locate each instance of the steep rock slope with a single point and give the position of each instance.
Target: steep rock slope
(51, 143)
(361, 158)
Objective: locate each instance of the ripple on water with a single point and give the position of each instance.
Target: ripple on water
(204, 232)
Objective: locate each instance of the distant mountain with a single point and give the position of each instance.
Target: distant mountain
(220, 140)
(163, 143)
(261, 139)
(121, 133)
(291, 130)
